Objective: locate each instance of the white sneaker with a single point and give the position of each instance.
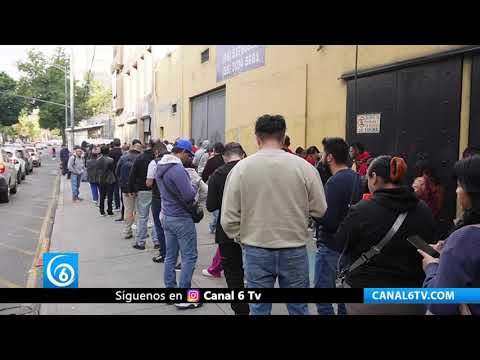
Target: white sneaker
(184, 306)
(206, 273)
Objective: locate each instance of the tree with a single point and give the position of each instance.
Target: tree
(10, 106)
(45, 82)
(28, 128)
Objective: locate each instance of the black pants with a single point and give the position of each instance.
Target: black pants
(106, 190)
(116, 195)
(232, 263)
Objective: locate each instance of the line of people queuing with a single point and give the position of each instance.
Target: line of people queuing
(262, 206)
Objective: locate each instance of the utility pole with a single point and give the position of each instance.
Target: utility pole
(72, 91)
(66, 107)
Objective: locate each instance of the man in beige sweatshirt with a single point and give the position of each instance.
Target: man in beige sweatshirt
(267, 201)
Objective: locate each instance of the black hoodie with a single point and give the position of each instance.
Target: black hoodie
(399, 264)
(216, 185)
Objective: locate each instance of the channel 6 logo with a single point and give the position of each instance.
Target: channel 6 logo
(60, 270)
(193, 296)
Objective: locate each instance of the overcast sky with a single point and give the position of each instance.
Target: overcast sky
(10, 54)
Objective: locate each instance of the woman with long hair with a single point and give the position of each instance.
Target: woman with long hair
(459, 262)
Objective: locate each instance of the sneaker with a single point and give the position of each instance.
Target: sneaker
(94, 203)
(138, 247)
(205, 272)
(158, 259)
(184, 306)
(116, 210)
(128, 236)
(121, 219)
(79, 199)
(112, 214)
(156, 247)
(178, 267)
(103, 215)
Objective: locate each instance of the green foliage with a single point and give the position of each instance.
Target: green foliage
(10, 106)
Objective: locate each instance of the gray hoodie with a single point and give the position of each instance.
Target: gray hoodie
(201, 157)
(76, 165)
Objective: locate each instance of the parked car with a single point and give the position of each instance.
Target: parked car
(20, 163)
(41, 146)
(35, 155)
(8, 178)
(23, 154)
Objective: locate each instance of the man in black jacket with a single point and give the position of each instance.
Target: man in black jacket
(122, 173)
(230, 251)
(105, 178)
(116, 154)
(138, 188)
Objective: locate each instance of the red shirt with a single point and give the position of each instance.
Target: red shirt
(194, 149)
(361, 161)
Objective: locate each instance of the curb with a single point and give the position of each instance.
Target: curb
(45, 235)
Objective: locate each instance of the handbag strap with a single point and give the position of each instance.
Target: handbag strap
(375, 249)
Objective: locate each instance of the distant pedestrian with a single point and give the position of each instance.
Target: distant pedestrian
(230, 253)
(116, 153)
(122, 173)
(76, 166)
(267, 200)
(138, 188)
(201, 157)
(106, 180)
(286, 144)
(92, 175)
(64, 156)
(194, 148)
(159, 150)
(360, 157)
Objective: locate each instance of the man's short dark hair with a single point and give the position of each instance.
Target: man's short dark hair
(76, 147)
(338, 148)
(105, 150)
(271, 126)
(233, 148)
(192, 141)
(117, 142)
(358, 146)
(136, 141)
(219, 148)
(471, 151)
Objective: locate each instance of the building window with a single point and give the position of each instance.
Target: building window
(205, 55)
(174, 108)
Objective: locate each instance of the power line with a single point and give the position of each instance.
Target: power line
(32, 98)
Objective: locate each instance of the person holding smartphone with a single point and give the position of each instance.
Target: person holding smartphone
(459, 262)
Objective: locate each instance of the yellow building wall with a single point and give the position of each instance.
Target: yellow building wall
(300, 82)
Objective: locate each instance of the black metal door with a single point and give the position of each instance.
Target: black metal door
(474, 127)
(420, 113)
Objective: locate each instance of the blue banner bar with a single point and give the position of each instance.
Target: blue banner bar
(422, 296)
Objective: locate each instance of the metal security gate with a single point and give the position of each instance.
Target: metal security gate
(474, 127)
(419, 112)
(208, 117)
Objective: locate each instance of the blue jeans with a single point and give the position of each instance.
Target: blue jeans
(180, 235)
(76, 181)
(144, 201)
(213, 225)
(116, 195)
(95, 191)
(156, 208)
(264, 266)
(326, 265)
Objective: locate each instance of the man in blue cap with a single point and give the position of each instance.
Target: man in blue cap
(178, 194)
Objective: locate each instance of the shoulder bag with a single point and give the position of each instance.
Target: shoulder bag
(194, 210)
(367, 256)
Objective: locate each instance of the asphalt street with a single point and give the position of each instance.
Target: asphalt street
(20, 223)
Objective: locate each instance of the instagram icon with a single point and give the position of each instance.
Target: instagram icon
(193, 296)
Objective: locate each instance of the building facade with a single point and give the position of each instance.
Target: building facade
(405, 99)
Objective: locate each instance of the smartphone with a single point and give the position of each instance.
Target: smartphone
(421, 244)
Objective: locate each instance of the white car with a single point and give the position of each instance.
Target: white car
(35, 155)
(20, 164)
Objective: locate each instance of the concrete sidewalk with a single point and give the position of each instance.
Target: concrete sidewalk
(107, 260)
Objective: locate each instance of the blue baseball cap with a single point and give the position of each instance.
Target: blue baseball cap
(184, 144)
